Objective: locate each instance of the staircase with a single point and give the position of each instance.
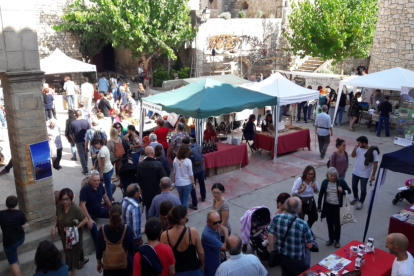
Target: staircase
(311, 65)
(26, 252)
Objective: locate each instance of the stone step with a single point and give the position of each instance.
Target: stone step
(314, 58)
(306, 66)
(314, 63)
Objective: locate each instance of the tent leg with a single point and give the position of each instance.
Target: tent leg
(275, 117)
(371, 202)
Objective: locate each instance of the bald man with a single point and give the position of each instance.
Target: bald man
(211, 241)
(150, 172)
(403, 265)
(131, 211)
(240, 264)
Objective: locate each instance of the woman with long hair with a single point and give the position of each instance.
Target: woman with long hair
(182, 175)
(106, 170)
(70, 216)
(113, 233)
(113, 141)
(135, 144)
(185, 243)
(267, 122)
(339, 158)
(72, 117)
(353, 110)
(165, 209)
(48, 260)
(305, 187)
(119, 129)
(331, 194)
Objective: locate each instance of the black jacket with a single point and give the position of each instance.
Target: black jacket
(322, 193)
(150, 171)
(369, 155)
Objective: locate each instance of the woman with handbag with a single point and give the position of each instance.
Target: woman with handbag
(69, 221)
(305, 187)
(331, 194)
(115, 245)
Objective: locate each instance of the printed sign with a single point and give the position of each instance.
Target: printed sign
(151, 106)
(41, 160)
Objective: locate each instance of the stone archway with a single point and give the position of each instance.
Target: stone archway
(244, 6)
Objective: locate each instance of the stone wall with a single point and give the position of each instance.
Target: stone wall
(48, 14)
(394, 36)
(251, 7)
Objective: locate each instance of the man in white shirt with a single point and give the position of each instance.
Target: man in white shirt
(323, 128)
(397, 245)
(70, 88)
(364, 170)
(87, 94)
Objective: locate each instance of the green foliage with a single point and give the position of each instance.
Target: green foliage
(225, 15)
(241, 14)
(259, 14)
(160, 75)
(145, 27)
(332, 29)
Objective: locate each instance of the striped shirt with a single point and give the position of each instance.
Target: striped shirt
(131, 215)
(299, 235)
(241, 265)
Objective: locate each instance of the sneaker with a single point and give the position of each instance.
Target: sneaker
(306, 122)
(298, 122)
(85, 173)
(73, 159)
(355, 200)
(359, 206)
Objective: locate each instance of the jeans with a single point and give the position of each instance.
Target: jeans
(83, 156)
(71, 101)
(56, 162)
(135, 158)
(292, 267)
(73, 149)
(305, 110)
(103, 213)
(184, 193)
(323, 143)
(200, 177)
(190, 273)
(310, 109)
(386, 121)
(107, 180)
(48, 114)
(364, 181)
(333, 221)
(339, 114)
(11, 252)
(2, 119)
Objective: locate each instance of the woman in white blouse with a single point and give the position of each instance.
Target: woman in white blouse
(305, 187)
(183, 176)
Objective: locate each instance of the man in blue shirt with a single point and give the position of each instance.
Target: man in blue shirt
(90, 202)
(103, 84)
(212, 245)
(165, 185)
(323, 127)
(131, 211)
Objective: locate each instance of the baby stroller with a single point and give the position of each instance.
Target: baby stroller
(127, 175)
(254, 226)
(405, 192)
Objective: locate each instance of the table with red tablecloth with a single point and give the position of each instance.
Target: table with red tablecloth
(376, 264)
(398, 226)
(227, 155)
(286, 143)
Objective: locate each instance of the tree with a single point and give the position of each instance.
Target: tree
(332, 29)
(146, 27)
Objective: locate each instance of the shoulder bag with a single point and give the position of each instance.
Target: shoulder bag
(346, 212)
(275, 257)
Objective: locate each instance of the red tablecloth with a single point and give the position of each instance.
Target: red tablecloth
(378, 263)
(227, 155)
(286, 143)
(397, 226)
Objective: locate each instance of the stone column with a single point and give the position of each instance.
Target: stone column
(22, 84)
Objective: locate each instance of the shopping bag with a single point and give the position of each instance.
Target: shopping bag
(346, 212)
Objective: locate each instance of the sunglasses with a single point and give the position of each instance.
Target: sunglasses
(216, 222)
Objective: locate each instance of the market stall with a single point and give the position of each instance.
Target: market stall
(209, 97)
(286, 92)
(402, 224)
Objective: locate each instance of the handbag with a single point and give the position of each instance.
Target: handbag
(346, 212)
(275, 257)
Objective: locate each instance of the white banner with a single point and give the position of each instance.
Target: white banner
(151, 106)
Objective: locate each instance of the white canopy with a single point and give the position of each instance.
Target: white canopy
(58, 62)
(286, 91)
(391, 79)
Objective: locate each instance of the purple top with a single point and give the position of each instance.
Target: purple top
(340, 163)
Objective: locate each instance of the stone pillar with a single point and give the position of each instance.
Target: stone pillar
(22, 84)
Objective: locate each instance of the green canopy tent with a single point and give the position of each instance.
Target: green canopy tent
(209, 97)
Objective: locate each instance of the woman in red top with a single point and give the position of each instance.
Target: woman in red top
(209, 133)
(162, 133)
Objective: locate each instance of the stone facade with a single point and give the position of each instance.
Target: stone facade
(394, 36)
(251, 7)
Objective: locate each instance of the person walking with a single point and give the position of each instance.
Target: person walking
(154, 143)
(295, 235)
(249, 130)
(176, 140)
(135, 144)
(49, 261)
(77, 131)
(384, 109)
(403, 264)
(55, 143)
(305, 187)
(103, 84)
(87, 94)
(339, 158)
(353, 111)
(331, 195)
(70, 88)
(185, 243)
(68, 217)
(71, 118)
(323, 129)
(165, 209)
(131, 211)
(12, 224)
(365, 168)
(48, 104)
(162, 133)
(165, 185)
(115, 232)
(182, 175)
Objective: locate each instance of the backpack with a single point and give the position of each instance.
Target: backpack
(196, 154)
(114, 256)
(119, 149)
